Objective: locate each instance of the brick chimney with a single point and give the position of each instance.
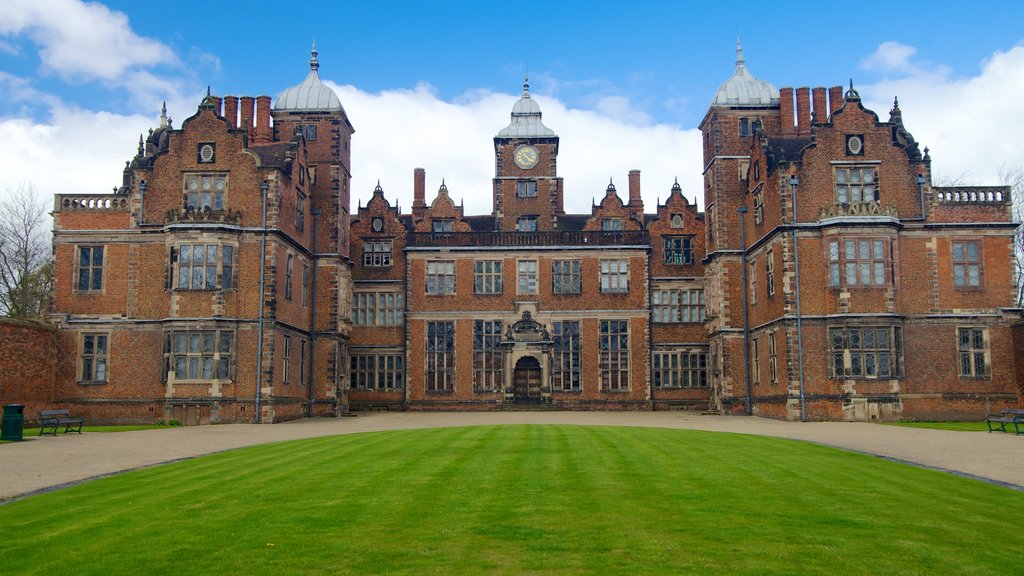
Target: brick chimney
(636, 203)
(231, 110)
(820, 108)
(247, 106)
(835, 99)
(215, 101)
(263, 133)
(419, 179)
(803, 110)
(786, 111)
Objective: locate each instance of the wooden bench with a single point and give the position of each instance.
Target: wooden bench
(50, 422)
(1011, 416)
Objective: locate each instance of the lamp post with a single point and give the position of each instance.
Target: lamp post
(746, 325)
(793, 183)
(264, 187)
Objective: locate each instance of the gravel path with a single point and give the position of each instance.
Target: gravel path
(44, 463)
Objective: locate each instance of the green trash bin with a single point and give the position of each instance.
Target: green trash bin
(13, 424)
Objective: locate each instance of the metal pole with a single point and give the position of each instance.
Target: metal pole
(746, 325)
(315, 212)
(264, 187)
(793, 183)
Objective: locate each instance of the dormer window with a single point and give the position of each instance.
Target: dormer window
(205, 191)
(856, 184)
(526, 224)
(443, 225)
(611, 224)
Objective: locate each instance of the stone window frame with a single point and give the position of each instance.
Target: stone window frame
(614, 275)
(841, 264)
(302, 362)
(680, 368)
(439, 277)
(90, 271)
(289, 273)
(198, 197)
(442, 225)
(755, 360)
(300, 211)
(678, 250)
(854, 356)
(377, 371)
(286, 358)
(855, 183)
(527, 277)
(566, 368)
(488, 277)
(613, 362)
(305, 285)
(377, 253)
(378, 308)
(678, 306)
(439, 358)
(769, 272)
(963, 265)
(974, 352)
(759, 205)
(218, 274)
(566, 276)
(526, 188)
(487, 356)
(94, 358)
(752, 280)
(526, 224)
(221, 353)
(611, 224)
(773, 366)
(748, 125)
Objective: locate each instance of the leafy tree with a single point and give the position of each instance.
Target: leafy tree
(26, 268)
(1013, 176)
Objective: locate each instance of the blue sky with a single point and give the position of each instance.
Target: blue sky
(429, 83)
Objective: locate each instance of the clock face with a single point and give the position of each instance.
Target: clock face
(526, 157)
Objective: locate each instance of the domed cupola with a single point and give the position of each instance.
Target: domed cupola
(311, 95)
(743, 90)
(526, 122)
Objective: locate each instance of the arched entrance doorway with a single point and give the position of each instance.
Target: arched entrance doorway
(526, 381)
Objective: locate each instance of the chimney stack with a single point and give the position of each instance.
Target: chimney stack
(636, 203)
(803, 110)
(419, 179)
(786, 111)
(247, 105)
(820, 109)
(835, 99)
(215, 102)
(231, 111)
(263, 134)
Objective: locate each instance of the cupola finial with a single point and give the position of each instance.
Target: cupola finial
(526, 84)
(163, 115)
(314, 64)
(740, 60)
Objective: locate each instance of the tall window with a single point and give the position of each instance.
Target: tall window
(614, 276)
(198, 354)
(966, 264)
(377, 253)
(440, 371)
(752, 280)
(565, 373)
(377, 308)
(679, 250)
(865, 351)
(198, 263)
(973, 352)
(773, 367)
(856, 262)
(526, 188)
(302, 362)
(856, 184)
(486, 356)
(527, 276)
(305, 284)
(759, 206)
(94, 358)
(289, 266)
(748, 126)
(487, 277)
(755, 361)
(286, 360)
(611, 224)
(769, 272)
(440, 277)
(205, 191)
(677, 305)
(381, 372)
(526, 224)
(614, 359)
(90, 268)
(565, 276)
(680, 369)
(300, 212)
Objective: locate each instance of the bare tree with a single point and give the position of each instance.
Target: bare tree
(1013, 176)
(26, 270)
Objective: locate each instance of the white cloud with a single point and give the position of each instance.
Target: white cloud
(890, 57)
(972, 124)
(81, 41)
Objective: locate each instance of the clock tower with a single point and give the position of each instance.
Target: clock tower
(527, 189)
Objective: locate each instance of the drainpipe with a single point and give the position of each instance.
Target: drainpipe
(793, 183)
(141, 199)
(264, 187)
(920, 187)
(746, 325)
(315, 212)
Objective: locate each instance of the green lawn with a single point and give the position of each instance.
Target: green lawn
(961, 426)
(521, 500)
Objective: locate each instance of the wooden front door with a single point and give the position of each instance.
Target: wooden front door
(526, 381)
